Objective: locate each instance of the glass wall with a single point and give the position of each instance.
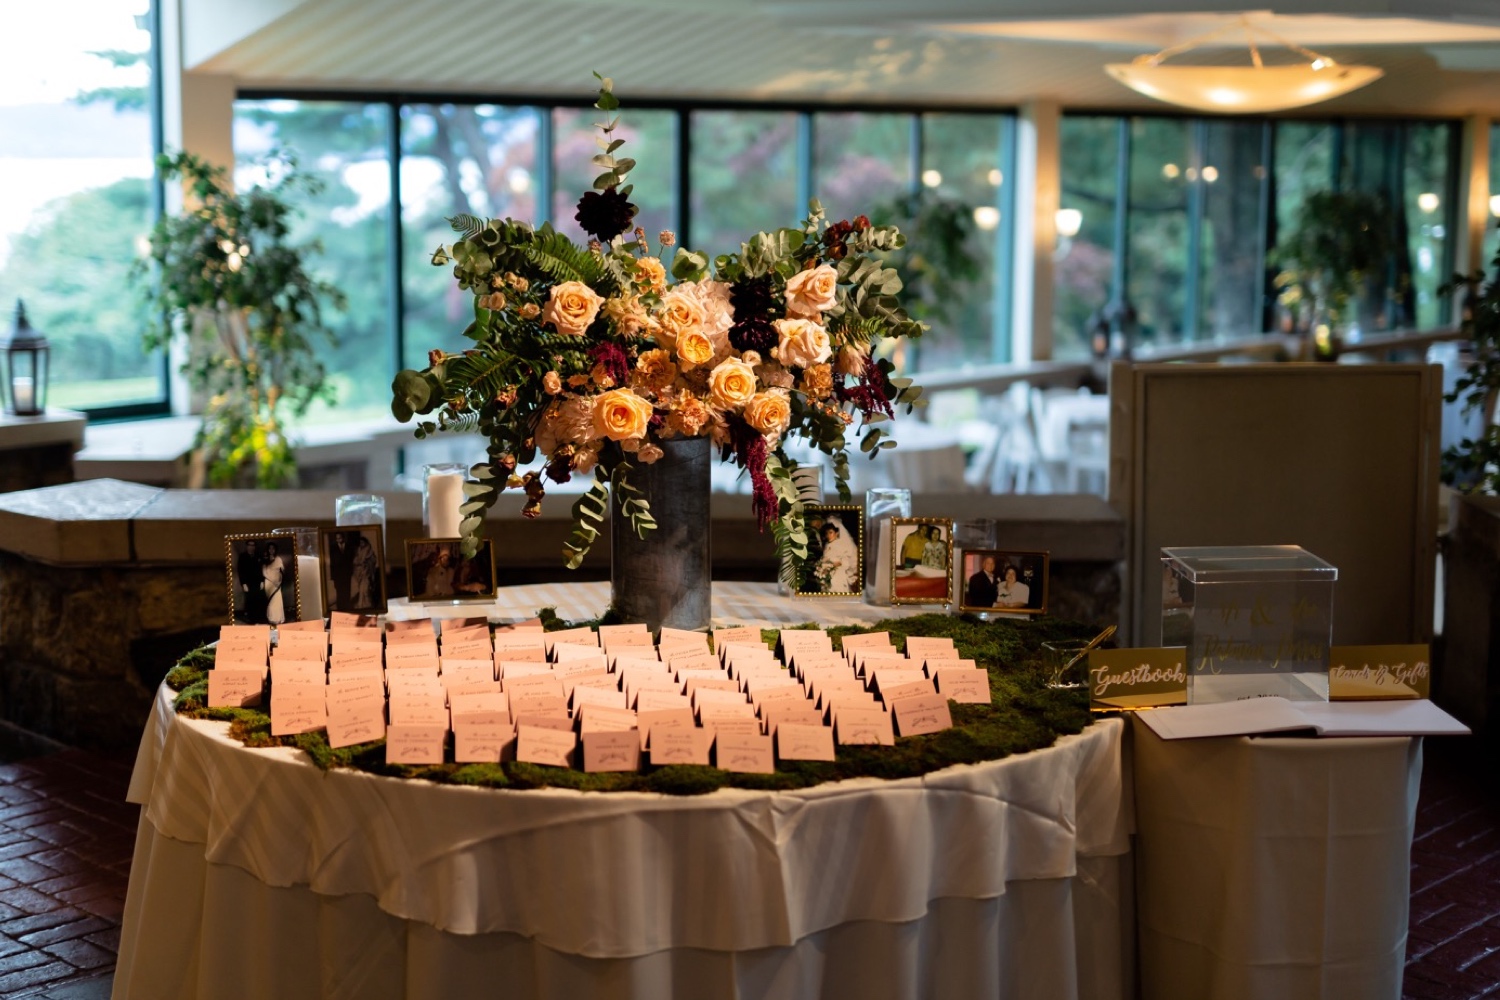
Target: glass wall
(346, 146)
(76, 151)
(650, 139)
(744, 177)
(1205, 201)
(1492, 228)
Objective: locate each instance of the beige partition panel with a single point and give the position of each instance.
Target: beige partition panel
(1340, 459)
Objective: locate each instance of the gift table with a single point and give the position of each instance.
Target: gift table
(258, 875)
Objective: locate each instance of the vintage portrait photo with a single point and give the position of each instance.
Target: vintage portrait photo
(437, 571)
(995, 580)
(353, 565)
(921, 560)
(835, 551)
(262, 575)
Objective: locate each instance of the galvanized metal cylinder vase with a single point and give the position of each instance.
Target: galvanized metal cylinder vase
(663, 579)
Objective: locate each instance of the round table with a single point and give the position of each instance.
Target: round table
(258, 875)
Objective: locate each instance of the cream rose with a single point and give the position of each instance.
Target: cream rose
(769, 412)
(680, 313)
(572, 307)
(621, 415)
(694, 349)
(810, 293)
(803, 343)
(731, 384)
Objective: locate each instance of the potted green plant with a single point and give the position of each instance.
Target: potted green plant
(1473, 464)
(1340, 240)
(225, 273)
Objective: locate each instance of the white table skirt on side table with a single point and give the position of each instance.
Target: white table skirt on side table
(256, 875)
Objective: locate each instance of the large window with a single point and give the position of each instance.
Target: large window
(76, 148)
(744, 175)
(346, 146)
(1204, 201)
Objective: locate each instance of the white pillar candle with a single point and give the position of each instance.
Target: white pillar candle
(25, 392)
(445, 495)
(310, 587)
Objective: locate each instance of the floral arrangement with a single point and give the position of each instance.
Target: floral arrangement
(592, 356)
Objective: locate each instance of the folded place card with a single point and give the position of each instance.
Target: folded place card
(864, 726)
(520, 654)
(747, 753)
(1361, 673)
(617, 750)
(926, 713)
(739, 634)
(967, 687)
(717, 683)
(468, 651)
(311, 625)
(663, 720)
(800, 741)
(919, 647)
(724, 709)
(581, 636)
(539, 745)
(594, 718)
(509, 669)
(565, 653)
(229, 687)
(537, 704)
(292, 716)
(801, 713)
(418, 713)
(650, 698)
(543, 720)
(530, 685)
(639, 628)
(677, 746)
(241, 655)
(348, 728)
(420, 744)
(482, 742)
(733, 727)
(413, 657)
(480, 709)
(608, 697)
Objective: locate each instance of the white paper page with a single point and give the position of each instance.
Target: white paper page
(1225, 718)
(1381, 718)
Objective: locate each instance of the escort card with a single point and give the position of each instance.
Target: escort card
(483, 742)
(864, 726)
(349, 728)
(746, 753)
(537, 745)
(311, 625)
(740, 634)
(694, 660)
(303, 645)
(912, 689)
(606, 697)
(677, 746)
(564, 652)
(1137, 678)
(663, 719)
(580, 636)
(241, 654)
(920, 647)
(507, 669)
(229, 687)
(605, 750)
(865, 640)
(719, 683)
(561, 723)
(766, 697)
(292, 715)
(800, 713)
(584, 665)
(596, 718)
(1366, 673)
(446, 625)
(472, 687)
(537, 704)
(733, 727)
(260, 633)
(417, 744)
(799, 741)
(396, 627)
(606, 682)
(932, 666)
(346, 619)
(520, 653)
(926, 713)
(621, 640)
(626, 629)
(650, 698)
(480, 650)
(480, 709)
(418, 712)
(309, 671)
(967, 687)
(878, 677)
(714, 696)
(413, 656)
(533, 684)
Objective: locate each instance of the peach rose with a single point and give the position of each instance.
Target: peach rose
(810, 293)
(769, 412)
(621, 415)
(649, 453)
(803, 343)
(572, 307)
(817, 381)
(680, 313)
(694, 349)
(731, 384)
(552, 383)
(650, 276)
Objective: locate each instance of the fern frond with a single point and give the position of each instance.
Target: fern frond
(484, 372)
(562, 260)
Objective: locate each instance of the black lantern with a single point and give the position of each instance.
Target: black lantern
(26, 353)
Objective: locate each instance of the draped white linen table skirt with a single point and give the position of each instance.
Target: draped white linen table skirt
(256, 875)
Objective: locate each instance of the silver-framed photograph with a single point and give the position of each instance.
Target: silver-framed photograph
(437, 571)
(352, 563)
(1005, 580)
(921, 560)
(835, 551)
(260, 573)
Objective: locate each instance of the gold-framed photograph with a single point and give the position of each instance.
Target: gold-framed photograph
(352, 563)
(437, 571)
(835, 564)
(1005, 580)
(921, 560)
(260, 573)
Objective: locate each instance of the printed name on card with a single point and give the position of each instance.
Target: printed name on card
(419, 744)
(662, 720)
(482, 742)
(677, 746)
(746, 753)
(927, 713)
(229, 687)
(800, 741)
(539, 745)
(611, 750)
(347, 729)
(864, 726)
(967, 687)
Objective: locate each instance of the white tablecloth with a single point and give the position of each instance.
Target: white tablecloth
(1274, 868)
(257, 875)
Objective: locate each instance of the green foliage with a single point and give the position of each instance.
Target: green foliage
(1474, 465)
(1025, 715)
(1341, 238)
(225, 273)
(589, 512)
(944, 264)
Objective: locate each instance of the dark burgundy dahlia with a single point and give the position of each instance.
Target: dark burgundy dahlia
(753, 301)
(604, 214)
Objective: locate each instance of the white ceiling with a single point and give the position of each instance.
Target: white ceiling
(1440, 56)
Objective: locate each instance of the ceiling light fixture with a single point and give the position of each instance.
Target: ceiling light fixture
(1242, 89)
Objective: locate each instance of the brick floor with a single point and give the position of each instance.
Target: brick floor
(66, 837)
